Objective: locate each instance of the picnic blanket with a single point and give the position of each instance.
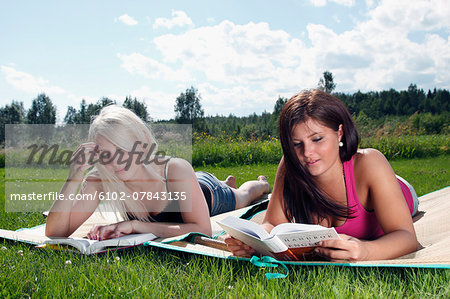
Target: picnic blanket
(432, 225)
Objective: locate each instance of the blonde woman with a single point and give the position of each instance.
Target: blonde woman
(161, 195)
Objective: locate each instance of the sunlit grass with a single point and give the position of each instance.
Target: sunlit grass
(226, 151)
(149, 272)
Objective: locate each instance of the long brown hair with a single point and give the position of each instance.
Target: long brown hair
(303, 199)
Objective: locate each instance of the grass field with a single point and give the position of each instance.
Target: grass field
(144, 272)
(226, 151)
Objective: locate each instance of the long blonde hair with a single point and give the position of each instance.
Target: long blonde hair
(123, 128)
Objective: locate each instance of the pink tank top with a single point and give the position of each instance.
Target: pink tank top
(364, 224)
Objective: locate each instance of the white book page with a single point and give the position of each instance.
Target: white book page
(92, 246)
(78, 243)
(246, 226)
(295, 227)
(128, 240)
(307, 238)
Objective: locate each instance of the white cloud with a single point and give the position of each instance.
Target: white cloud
(321, 3)
(230, 53)
(244, 68)
(139, 64)
(127, 20)
(239, 98)
(179, 18)
(318, 3)
(344, 2)
(28, 83)
(160, 105)
(379, 53)
(404, 15)
(369, 3)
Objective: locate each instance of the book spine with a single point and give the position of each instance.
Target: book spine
(296, 254)
(285, 256)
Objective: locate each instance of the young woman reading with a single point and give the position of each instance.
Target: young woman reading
(117, 135)
(323, 178)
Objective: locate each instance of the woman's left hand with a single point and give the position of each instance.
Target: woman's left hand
(111, 231)
(347, 249)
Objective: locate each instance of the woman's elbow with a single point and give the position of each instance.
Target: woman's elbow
(206, 229)
(52, 229)
(50, 232)
(414, 244)
(410, 242)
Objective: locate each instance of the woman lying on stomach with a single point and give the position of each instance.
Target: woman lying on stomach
(323, 178)
(161, 195)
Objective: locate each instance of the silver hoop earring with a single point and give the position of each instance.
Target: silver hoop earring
(341, 144)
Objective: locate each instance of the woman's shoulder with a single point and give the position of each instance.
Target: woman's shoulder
(368, 155)
(369, 160)
(178, 167)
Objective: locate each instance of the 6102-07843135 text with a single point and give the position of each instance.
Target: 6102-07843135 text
(107, 196)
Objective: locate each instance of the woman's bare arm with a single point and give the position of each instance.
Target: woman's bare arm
(274, 215)
(193, 208)
(66, 215)
(386, 198)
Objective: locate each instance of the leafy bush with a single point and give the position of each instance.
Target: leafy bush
(208, 150)
(409, 146)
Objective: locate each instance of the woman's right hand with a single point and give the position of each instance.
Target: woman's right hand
(81, 160)
(239, 248)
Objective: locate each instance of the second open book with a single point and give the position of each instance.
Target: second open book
(287, 241)
(36, 236)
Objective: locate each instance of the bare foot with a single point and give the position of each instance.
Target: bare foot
(231, 181)
(262, 178)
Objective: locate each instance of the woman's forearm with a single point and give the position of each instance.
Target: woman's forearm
(58, 219)
(392, 245)
(165, 230)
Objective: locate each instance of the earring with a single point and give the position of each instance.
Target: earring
(341, 144)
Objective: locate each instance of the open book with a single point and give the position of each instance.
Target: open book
(86, 246)
(36, 236)
(287, 241)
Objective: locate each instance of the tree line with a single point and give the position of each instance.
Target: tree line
(188, 109)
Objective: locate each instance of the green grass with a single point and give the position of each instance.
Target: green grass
(226, 151)
(143, 272)
(425, 174)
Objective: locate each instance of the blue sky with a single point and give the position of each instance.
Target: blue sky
(241, 55)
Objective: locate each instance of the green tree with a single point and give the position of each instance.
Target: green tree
(82, 115)
(71, 115)
(86, 112)
(137, 107)
(326, 83)
(188, 109)
(94, 109)
(11, 114)
(279, 104)
(42, 111)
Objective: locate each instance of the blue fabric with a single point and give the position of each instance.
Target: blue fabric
(223, 197)
(267, 261)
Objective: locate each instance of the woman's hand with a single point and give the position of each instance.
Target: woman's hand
(116, 230)
(82, 159)
(347, 249)
(238, 248)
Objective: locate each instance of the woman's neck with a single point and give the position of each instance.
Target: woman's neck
(332, 180)
(143, 178)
